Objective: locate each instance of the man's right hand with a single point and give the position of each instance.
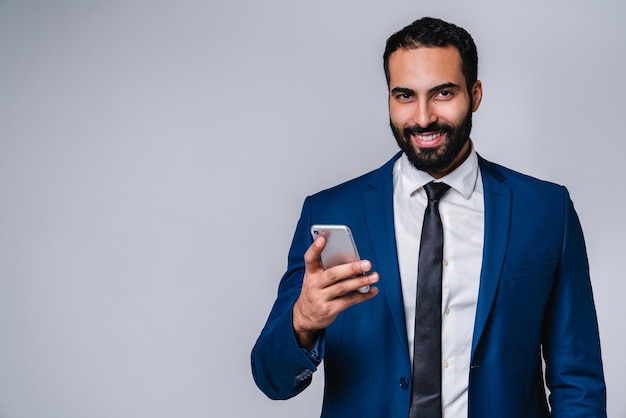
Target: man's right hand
(326, 293)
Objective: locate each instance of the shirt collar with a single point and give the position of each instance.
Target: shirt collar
(462, 179)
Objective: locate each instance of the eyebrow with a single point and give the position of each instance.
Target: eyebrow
(435, 89)
(444, 86)
(404, 90)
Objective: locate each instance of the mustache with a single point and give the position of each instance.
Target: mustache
(433, 127)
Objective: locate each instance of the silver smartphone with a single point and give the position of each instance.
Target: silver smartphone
(340, 247)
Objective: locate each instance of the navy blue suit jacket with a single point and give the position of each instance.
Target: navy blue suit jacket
(534, 298)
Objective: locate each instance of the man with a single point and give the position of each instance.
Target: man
(512, 280)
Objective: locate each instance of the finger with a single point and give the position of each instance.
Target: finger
(348, 270)
(353, 298)
(352, 284)
(312, 255)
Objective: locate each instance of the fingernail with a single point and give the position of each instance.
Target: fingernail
(366, 265)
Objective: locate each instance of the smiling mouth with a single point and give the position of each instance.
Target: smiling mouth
(428, 139)
(430, 136)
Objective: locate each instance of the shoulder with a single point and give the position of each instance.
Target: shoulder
(516, 180)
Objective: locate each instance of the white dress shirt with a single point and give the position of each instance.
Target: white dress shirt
(462, 212)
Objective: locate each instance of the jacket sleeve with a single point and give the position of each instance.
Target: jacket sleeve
(281, 369)
(571, 344)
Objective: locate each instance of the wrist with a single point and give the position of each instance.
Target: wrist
(305, 337)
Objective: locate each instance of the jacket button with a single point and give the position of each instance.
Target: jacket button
(404, 383)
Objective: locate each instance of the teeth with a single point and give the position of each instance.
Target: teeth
(430, 137)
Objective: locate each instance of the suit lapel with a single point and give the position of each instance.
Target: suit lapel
(497, 221)
(379, 215)
(378, 203)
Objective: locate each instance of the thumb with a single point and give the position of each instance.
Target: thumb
(312, 255)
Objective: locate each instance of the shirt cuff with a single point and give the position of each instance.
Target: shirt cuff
(316, 354)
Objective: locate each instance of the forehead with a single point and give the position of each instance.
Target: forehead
(425, 66)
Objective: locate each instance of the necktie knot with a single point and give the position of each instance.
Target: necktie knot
(435, 191)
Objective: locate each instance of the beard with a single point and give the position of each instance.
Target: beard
(437, 159)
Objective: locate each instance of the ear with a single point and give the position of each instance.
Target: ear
(477, 95)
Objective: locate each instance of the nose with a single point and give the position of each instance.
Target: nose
(424, 114)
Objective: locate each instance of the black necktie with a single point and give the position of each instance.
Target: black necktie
(426, 394)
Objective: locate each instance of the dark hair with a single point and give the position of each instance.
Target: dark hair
(430, 32)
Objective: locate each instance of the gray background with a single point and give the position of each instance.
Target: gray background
(154, 156)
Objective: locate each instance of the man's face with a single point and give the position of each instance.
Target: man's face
(430, 109)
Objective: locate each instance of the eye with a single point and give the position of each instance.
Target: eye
(445, 95)
(403, 97)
